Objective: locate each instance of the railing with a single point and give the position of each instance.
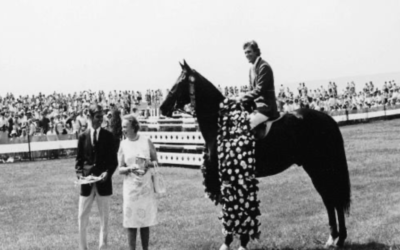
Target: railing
(178, 141)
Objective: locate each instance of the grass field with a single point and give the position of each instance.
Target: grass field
(39, 204)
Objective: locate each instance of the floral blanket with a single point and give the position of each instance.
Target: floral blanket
(236, 158)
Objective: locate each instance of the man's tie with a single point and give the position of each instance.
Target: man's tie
(95, 138)
(94, 144)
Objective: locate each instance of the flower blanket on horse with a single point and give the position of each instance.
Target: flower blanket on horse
(236, 160)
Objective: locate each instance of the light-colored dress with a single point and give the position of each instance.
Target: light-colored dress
(139, 200)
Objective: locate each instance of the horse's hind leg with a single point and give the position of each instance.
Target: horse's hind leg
(332, 226)
(342, 227)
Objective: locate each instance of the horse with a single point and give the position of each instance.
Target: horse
(307, 138)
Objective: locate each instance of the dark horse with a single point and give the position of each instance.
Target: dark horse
(306, 137)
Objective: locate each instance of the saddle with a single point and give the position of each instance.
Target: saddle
(261, 130)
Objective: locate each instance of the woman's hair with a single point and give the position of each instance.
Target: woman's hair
(56, 128)
(116, 123)
(253, 45)
(133, 121)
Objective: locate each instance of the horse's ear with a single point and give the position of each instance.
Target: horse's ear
(186, 66)
(181, 65)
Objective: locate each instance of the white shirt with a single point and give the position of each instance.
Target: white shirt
(92, 134)
(3, 121)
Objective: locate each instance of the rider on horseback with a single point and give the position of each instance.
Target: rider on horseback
(262, 89)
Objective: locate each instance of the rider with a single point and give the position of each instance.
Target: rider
(262, 90)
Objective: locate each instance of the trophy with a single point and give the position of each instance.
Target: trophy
(141, 161)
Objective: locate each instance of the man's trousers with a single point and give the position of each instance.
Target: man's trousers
(85, 205)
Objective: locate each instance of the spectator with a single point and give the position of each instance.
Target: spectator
(51, 130)
(44, 122)
(60, 129)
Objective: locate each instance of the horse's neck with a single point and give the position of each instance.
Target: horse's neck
(208, 98)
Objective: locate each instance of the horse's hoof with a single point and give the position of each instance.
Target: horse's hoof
(331, 242)
(242, 248)
(339, 242)
(224, 247)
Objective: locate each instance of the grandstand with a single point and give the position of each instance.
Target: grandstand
(46, 127)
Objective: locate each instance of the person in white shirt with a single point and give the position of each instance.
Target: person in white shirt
(3, 122)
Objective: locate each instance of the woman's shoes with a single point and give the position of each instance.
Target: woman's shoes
(224, 247)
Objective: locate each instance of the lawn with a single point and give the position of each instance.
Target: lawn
(39, 204)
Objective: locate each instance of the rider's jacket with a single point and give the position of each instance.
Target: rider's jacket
(262, 89)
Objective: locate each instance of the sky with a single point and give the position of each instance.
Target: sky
(75, 45)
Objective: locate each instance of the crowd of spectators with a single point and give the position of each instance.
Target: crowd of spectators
(59, 113)
(329, 98)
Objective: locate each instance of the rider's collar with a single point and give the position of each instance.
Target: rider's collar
(256, 61)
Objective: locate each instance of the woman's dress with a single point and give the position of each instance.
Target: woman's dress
(139, 200)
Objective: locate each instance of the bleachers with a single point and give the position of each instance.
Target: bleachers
(178, 141)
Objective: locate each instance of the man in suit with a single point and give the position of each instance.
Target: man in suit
(262, 89)
(96, 155)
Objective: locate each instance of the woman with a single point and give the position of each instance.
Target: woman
(51, 129)
(70, 130)
(60, 130)
(139, 201)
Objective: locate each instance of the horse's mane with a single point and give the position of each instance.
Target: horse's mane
(208, 96)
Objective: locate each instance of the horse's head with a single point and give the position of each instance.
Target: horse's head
(179, 95)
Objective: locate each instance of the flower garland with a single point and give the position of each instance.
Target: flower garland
(236, 158)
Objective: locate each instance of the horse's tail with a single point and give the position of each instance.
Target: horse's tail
(342, 190)
(325, 159)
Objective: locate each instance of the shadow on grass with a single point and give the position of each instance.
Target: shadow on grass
(348, 246)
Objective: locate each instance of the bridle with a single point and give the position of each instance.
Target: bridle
(192, 96)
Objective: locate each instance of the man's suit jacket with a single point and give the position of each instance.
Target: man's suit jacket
(103, 160)
(262, 91)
